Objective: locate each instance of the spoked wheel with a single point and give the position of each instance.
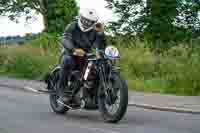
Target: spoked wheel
(53, 85)
(114, 101)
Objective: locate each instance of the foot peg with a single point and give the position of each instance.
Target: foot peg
(71, 107)
(64, 104)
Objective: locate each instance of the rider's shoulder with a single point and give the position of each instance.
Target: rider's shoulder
(71, 26)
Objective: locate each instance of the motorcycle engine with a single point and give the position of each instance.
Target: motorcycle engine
(90, 82)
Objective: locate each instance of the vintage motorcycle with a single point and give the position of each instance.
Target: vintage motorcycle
(97, 84)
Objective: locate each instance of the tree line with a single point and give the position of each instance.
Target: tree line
(17, 39)
(157, 21)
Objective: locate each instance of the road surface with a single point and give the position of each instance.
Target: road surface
(24, 112)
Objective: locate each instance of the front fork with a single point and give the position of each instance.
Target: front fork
(103, 82)
(107, 90)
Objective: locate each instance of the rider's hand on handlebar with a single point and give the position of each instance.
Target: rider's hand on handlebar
(78, 52)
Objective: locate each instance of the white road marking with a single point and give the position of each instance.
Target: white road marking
(31, 89)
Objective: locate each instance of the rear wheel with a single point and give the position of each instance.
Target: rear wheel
(53, 85)
(113, 101)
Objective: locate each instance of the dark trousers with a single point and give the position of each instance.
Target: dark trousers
(67, 64)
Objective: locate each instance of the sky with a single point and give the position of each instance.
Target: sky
(9, 28)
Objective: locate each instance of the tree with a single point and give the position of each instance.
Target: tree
(152, 17)
(56, 13)
(157, 20)
(189, 14)
(130, 14)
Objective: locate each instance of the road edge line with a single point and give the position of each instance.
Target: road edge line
(168, 109)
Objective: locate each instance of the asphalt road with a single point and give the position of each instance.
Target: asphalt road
(24, 112)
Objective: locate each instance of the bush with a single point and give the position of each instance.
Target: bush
(182, 69)
(175, 71)
(47, 43)
(26, 62)
(138, 62)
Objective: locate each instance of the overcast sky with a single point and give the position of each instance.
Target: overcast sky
(8, 27)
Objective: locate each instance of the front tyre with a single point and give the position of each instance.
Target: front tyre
(117, 94)
(53, 85)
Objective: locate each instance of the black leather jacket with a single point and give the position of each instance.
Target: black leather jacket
(73, 37)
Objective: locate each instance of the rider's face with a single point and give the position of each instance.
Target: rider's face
(99, 27)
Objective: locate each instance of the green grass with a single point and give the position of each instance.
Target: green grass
(176, 71)
(26, 62)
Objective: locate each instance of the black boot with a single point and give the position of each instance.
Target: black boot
(62, 86)
(64, 99)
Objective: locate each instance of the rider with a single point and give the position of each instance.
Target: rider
(79, 37)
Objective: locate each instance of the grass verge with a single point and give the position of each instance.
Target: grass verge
(177, 71)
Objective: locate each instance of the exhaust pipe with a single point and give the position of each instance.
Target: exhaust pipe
(39, 91)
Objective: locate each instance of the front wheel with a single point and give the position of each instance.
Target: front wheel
(113, 100)
(53, 85)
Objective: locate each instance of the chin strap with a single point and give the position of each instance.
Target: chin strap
(82, 29)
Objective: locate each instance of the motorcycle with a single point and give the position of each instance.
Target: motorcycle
(97, 84)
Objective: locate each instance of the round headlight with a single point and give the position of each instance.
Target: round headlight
(112, 52)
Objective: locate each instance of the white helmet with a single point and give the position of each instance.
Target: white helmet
(87, 19)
